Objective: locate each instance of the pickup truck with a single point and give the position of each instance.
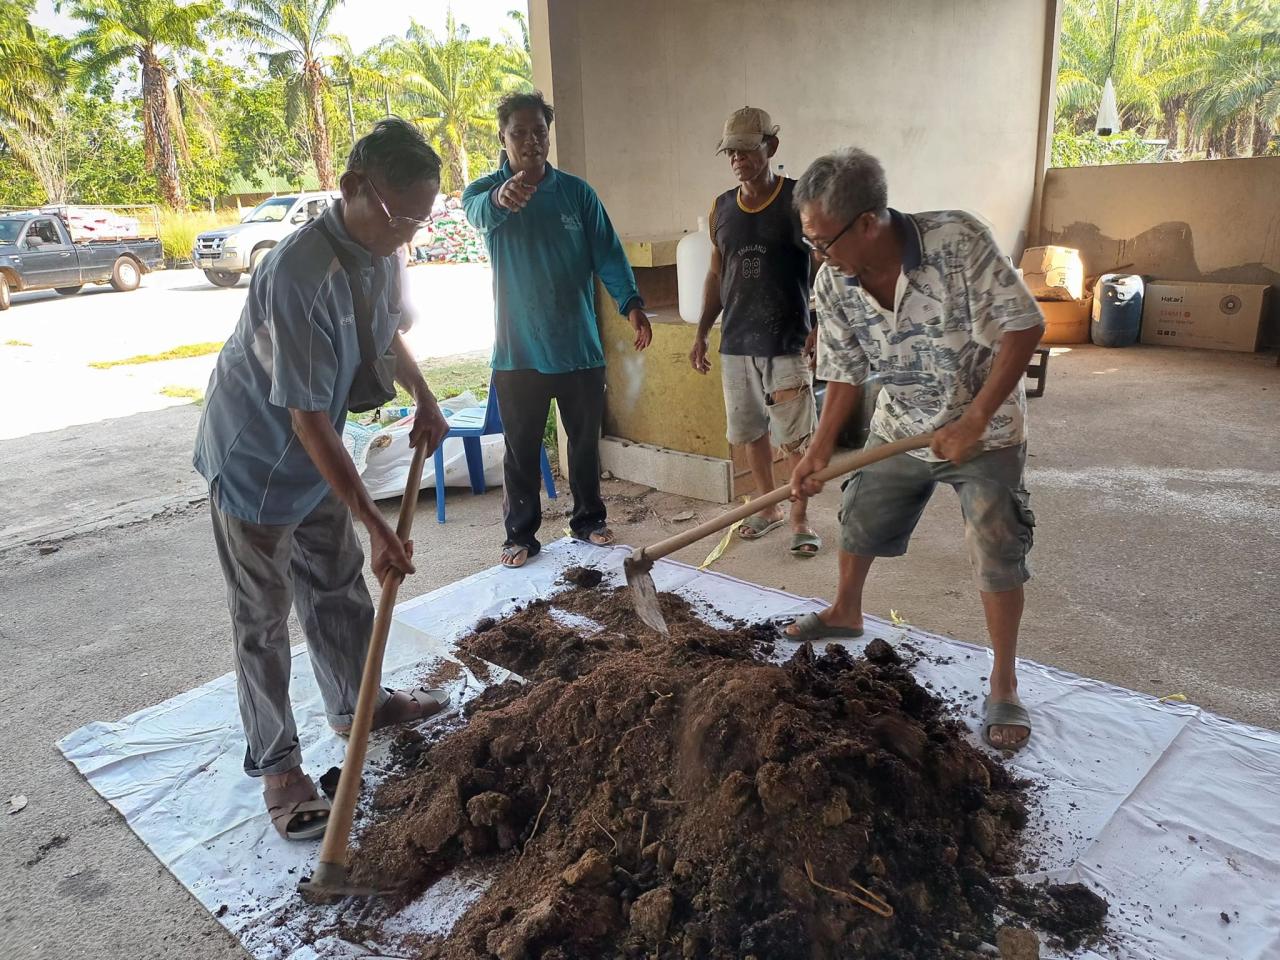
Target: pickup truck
(230, 252)
(38, 253)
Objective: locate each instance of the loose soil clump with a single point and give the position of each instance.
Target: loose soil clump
(683, 798)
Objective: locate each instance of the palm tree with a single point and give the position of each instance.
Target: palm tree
(29, 71)
(154, 33)
(299, 49)
(1234, 80)
(38, 140)
(1204, 73)
(1089, 33)
(450, 86)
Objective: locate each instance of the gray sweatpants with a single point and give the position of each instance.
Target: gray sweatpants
(317, 567)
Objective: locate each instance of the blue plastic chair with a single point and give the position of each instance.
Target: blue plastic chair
(470, 424)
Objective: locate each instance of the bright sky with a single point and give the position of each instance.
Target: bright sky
(365, 22)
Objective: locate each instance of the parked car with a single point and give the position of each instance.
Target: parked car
(38, 251)
(230, 252)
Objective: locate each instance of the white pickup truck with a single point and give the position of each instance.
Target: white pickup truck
(230, 252)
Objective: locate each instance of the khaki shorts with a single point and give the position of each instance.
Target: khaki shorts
(749, 387)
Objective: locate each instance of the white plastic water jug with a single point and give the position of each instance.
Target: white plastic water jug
(693, 260)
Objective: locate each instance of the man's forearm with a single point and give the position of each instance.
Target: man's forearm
(711, 305)
(407, 373)
(323, 445)
(839, 404)
(1010, 366)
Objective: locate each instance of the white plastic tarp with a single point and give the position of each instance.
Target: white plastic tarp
(1168, 811)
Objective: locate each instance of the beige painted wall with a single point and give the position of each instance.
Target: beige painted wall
(1215, 220)
(1204, 220)
(946, 92)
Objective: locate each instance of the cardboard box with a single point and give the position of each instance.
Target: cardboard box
(1053, 273)
(1211, 316)
(1066, 321)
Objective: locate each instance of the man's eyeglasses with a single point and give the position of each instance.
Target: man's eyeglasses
(398, 224)
(821, 247)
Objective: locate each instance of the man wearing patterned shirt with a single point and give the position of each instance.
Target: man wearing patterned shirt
(927, 305)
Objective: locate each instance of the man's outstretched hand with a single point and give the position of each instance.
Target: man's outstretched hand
(698, 358)
(515, 194)
(387, 551)
(429, 425)
(640, 324)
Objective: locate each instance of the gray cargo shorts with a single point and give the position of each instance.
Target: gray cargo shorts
(749, 385)
(883, 502)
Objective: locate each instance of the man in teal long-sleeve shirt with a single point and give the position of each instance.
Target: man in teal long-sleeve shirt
(548, 237)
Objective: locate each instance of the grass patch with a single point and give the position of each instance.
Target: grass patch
(178, 229)
(193, 394)
(451, 376)
(177, 353)
(16, 343)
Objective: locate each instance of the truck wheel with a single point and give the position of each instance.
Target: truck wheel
(256, 257)
(70, 291)
(5, 298)
(125, 275)
(222, 278)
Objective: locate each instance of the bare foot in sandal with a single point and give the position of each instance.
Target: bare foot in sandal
(296, 808)
(404, 706)
(514, 555)
(830, 624)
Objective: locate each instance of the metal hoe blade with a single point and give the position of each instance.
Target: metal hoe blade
(644, 595)
(331, 882)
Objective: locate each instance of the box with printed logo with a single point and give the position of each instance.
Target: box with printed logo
(1211, 316)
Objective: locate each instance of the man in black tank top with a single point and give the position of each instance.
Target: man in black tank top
(759, 279)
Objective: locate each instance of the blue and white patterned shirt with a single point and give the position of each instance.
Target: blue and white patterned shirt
(933, 351)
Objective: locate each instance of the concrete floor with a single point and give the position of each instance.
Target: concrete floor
(1153, 478)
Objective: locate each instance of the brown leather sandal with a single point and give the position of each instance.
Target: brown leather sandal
(286, 806)
(404, 706)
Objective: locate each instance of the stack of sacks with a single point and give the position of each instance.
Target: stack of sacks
(449, 238)
(1055, 277)
(88, 223)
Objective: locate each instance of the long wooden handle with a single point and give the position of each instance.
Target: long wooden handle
(845, 463)
(338, 831)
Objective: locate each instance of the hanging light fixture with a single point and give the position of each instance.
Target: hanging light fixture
(1108, 116)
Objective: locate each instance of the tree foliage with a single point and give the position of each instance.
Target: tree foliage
(449, 86)
(156, 35)
(1201, 75)
(144, 105)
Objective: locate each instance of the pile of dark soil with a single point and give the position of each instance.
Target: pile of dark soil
(684, 798)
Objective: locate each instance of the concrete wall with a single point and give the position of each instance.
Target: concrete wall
(1214, 220)
(948, 93)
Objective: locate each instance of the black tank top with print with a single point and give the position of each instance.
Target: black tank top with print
(764, 280)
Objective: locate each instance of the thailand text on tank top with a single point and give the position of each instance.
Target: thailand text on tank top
(764, 280)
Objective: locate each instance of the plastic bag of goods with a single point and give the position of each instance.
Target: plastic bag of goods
(382, 454)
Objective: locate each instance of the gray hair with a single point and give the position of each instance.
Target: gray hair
(844, 183)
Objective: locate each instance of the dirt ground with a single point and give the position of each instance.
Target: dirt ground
(1152, 475)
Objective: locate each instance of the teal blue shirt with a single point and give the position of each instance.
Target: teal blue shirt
(544, 258)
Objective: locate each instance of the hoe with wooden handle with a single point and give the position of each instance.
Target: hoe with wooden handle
(637, 566)
(332, 879)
